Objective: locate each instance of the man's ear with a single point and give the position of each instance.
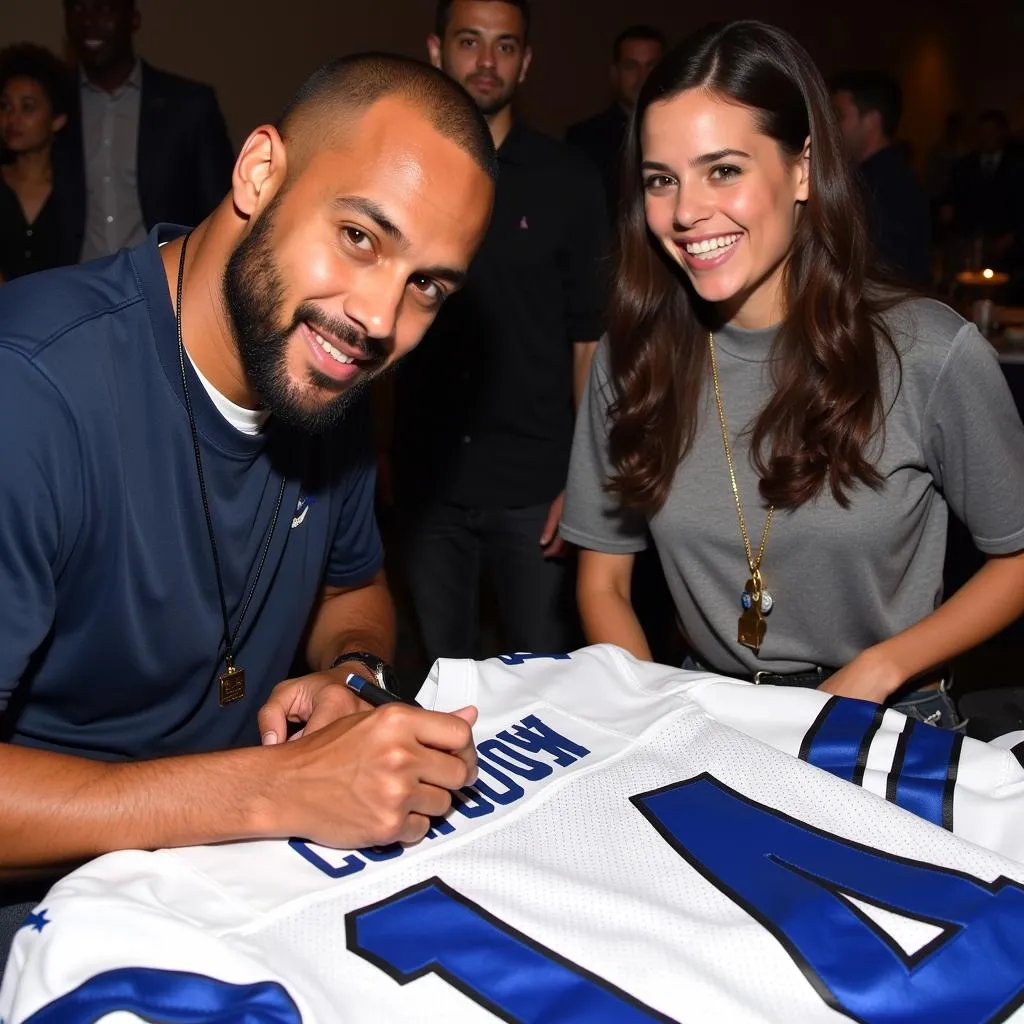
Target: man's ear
(874, 119)
(260, 169)
(527, 60)
(434, 50)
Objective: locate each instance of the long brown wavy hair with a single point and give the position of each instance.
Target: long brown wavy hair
(827, 403)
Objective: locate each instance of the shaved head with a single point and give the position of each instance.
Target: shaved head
(336, 95)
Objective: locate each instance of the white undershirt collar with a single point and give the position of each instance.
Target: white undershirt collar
(248, 421)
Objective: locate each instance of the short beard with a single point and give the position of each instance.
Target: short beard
(495, 106)
(254, 297)
(487, 107)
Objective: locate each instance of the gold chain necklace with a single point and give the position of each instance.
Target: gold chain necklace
(756, 600)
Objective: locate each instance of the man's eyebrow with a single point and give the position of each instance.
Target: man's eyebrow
(374, 211)
(456, 278)
(478, 34)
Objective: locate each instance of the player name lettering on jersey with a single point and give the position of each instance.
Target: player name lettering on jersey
(513, 764)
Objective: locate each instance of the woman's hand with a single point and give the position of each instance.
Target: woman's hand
(870, 676)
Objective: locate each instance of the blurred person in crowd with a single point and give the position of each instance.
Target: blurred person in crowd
(34, 97)
(486, 404)
(938, 172)
(942, 156)
(636, 51)
(142, 146)
(985, 200)
(868, 105)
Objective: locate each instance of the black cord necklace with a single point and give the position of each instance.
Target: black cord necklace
(232, 681)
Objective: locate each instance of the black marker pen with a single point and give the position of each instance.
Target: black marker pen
(375, 695)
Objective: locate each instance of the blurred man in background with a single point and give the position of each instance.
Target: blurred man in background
(486, 407)
(636, 51)
(869, 105)
(141, 147)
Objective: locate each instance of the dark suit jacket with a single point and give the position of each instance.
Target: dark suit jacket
(185, 158)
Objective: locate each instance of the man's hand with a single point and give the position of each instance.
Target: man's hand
(870, 676)
(314, 701)
(373, 778)
(552, 545)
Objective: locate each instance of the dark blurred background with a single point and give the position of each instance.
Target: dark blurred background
(948, 55)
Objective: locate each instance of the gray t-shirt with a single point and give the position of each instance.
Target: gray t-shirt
(842, 579)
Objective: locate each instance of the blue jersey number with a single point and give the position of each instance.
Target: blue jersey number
(432, 928)
(794, 879)
(170, 997)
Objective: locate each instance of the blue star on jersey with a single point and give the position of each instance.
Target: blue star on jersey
(37, 921)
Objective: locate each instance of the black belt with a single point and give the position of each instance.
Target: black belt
(810, 678)
(813, 678)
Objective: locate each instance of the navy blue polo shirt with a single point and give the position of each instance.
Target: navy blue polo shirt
(110, 623)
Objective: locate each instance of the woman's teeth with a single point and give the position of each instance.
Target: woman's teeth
(710, 247)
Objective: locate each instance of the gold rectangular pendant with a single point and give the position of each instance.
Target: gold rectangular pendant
(232, 686)
(751, 629)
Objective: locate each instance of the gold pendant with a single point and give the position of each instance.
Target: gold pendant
(752, 629)
(752, 626)
(232, 685)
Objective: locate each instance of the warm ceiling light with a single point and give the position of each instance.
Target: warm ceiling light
(988, 274)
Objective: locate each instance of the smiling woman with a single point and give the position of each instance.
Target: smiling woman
(774, 411)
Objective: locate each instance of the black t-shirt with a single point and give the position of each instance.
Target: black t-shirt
(484, 408)
(602, 137)
(26, 247)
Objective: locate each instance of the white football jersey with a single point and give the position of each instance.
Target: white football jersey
(643, 844)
